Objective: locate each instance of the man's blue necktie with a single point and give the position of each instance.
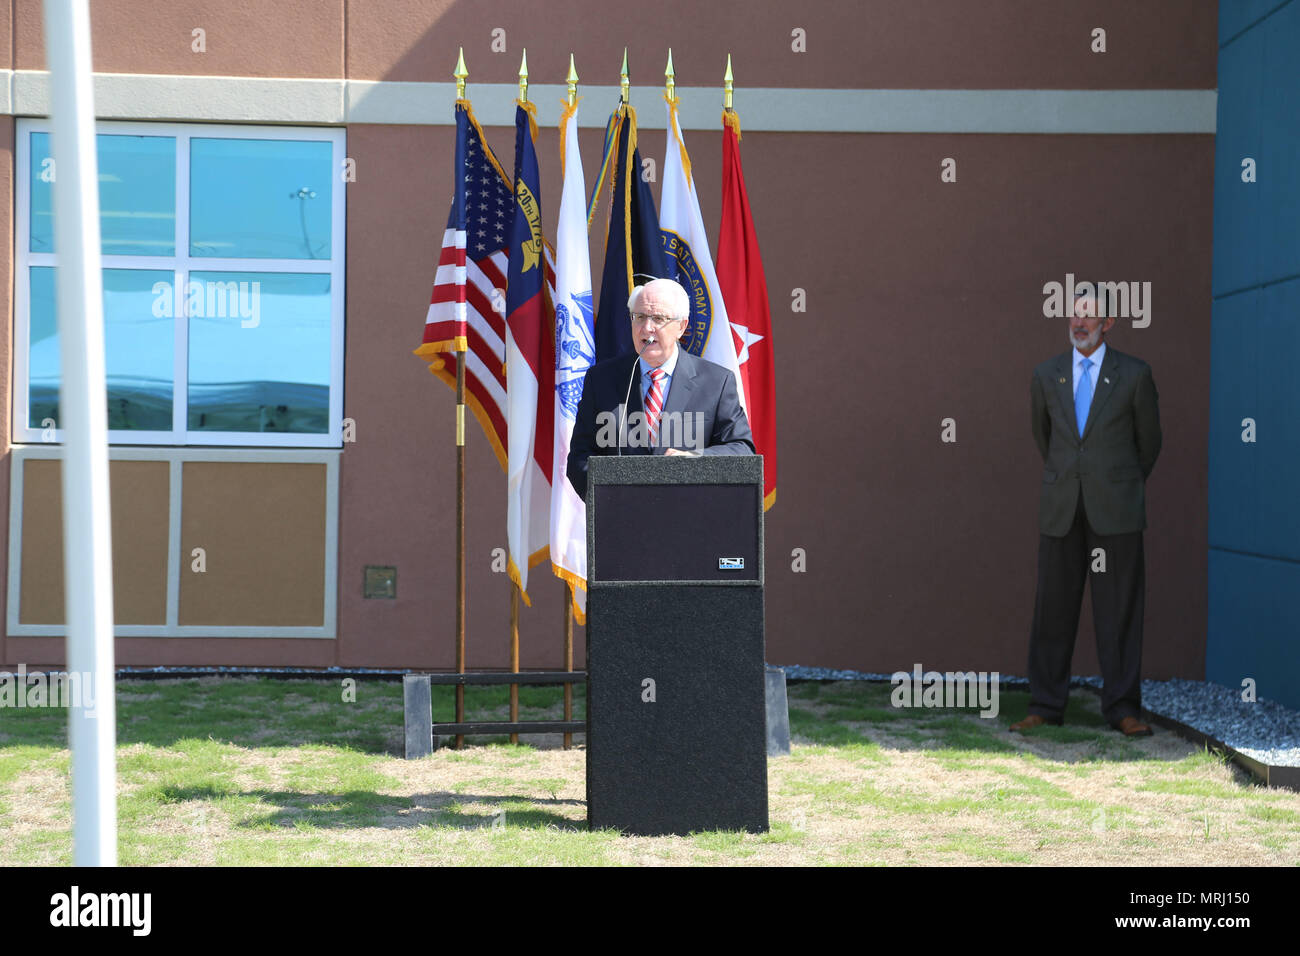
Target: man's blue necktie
(1083, 396)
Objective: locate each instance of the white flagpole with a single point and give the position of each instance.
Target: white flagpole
(87, 550)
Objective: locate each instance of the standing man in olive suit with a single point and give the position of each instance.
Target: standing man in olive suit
(1096, 422)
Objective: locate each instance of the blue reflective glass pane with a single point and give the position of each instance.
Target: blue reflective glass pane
(137, 194)
(260, 199)
(259, 352)
(41, 176)
(139, 348)
(43, 352)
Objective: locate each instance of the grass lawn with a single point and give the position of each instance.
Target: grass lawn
(220, 771)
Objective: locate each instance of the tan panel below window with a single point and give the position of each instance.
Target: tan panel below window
(261, 526)
(139, 495)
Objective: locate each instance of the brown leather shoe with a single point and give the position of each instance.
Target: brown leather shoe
(1032, 721)
(1132, 727)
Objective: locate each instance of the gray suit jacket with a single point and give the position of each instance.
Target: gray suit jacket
(1110, 463)
(698, 388)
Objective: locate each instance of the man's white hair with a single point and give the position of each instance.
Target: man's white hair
(1096, 291)
(671, 289)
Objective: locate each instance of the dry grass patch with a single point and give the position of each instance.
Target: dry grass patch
(251, 772)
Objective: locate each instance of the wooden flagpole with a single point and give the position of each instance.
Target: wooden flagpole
(572, 81)
(514, 586)
(568, 658)
(514, 657)
(461, 346)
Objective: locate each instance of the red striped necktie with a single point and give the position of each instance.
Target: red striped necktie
(654, 404)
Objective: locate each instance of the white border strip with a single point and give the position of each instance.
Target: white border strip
(177, 457)
(212, 98)
(239, 99)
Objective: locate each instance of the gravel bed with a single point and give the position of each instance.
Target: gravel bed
(1263, 730)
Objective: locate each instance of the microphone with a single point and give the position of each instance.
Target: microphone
(627, 396)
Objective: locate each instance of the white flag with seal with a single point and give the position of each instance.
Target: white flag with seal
(686, 248)
(575, 352)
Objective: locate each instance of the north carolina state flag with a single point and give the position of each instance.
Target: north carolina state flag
(744, 290)
(530, 365)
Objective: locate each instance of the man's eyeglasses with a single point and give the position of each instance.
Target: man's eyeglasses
(658, 321)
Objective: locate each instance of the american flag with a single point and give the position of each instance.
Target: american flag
(469, 290)
(473, 308)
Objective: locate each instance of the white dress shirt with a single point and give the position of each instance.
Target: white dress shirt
(1096, 359)
(647, 381)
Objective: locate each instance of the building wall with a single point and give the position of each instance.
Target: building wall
(924, 302)
(1254, 527)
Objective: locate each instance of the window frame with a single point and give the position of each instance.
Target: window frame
(177, 560)
(181, 264)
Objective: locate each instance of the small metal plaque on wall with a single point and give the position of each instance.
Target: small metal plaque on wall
(380, 582)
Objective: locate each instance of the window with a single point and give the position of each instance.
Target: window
(223, 285)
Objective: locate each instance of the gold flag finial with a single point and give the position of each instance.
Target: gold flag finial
(623, 80)
(572, 80)
(726, 85)
(460, 74)
(523, 77)
(670, 81)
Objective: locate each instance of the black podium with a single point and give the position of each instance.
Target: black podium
(676, 732)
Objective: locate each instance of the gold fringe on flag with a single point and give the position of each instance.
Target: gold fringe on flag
(732, 118)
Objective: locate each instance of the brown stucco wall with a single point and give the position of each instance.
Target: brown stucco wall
(923, 303)
(872, 44)
(298, 38)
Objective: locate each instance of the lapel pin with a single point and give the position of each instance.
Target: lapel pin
(1106, 380)
(1062, 380)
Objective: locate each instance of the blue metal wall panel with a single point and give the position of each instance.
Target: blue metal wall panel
(1253, 627)
(1279, 232)
(1254, 631)
(1234, 396)
(1278, 498)
(1236, 15)
(1238, 205)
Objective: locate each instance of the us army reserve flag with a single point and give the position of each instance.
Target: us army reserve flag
(686, 251)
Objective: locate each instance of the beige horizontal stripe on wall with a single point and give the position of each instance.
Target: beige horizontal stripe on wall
(232, 99)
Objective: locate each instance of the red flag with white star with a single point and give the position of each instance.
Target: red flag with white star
(744, 290)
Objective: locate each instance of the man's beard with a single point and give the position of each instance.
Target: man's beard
(1090, 343)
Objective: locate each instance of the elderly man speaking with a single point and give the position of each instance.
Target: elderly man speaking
(662, 400)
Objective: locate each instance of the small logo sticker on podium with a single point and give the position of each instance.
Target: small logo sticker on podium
(731, 564)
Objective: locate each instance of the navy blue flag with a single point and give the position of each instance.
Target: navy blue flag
(633, 244)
